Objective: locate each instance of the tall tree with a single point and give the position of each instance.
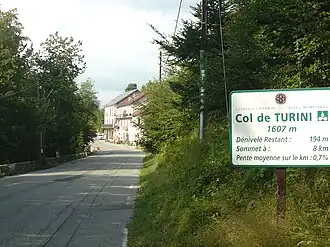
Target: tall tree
(163, 120)
(89, 113)
(39, 93)
(59, 63)
(267, 44)
(17, 91)
(264, 47)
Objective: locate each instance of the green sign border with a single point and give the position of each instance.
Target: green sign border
(231, 120)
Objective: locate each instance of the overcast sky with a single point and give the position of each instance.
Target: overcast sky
(116, 37)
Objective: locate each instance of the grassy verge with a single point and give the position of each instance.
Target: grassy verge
(189, 197)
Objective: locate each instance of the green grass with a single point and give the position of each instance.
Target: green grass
(188, 197)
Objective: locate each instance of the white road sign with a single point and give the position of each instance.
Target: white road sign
(280, 128)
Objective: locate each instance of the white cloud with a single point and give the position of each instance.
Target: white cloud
(116, 37)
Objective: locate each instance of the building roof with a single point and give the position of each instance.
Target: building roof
(141, 98)
(131, 101)
(120, 97)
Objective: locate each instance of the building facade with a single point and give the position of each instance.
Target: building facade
(121, 117)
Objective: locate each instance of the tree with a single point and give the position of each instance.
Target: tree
(264, 47)
(131, 87)
(59, 63)
(184, 48)
(163, 120)
(18, 92)
(100, 120)
(88, 112)
(39, 93)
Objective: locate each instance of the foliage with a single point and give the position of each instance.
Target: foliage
(189, 196)
(265, 47)
(130, 87)
(39, 93)
(100, 119)
(172, 121)
(89, 114)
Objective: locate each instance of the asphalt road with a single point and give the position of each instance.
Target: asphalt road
(84, 203)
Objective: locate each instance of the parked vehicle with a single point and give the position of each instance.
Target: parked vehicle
(100, 136)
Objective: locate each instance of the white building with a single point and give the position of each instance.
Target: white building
(121, 117)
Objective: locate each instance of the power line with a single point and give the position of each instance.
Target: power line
(177, 17)
(176, 23)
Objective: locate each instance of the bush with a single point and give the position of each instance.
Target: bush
(191, 197)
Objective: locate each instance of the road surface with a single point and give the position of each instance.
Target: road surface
(84, 203)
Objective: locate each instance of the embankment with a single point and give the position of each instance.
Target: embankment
(190, 197)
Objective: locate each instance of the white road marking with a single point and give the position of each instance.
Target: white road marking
(125, 233)
(134, 186)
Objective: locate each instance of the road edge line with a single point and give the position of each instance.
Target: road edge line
(125, 233)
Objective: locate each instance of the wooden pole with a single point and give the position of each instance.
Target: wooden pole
(281, 201)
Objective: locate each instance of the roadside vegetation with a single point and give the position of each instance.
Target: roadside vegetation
(39, 93)
(189, 194)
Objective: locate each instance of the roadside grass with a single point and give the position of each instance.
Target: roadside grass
(189, 197)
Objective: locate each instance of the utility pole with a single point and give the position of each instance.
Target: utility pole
(41, 134)
(160, 65)
(202, 68)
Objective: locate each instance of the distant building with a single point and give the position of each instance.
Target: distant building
(121, 116)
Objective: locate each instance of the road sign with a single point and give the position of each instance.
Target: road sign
(280, 128)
